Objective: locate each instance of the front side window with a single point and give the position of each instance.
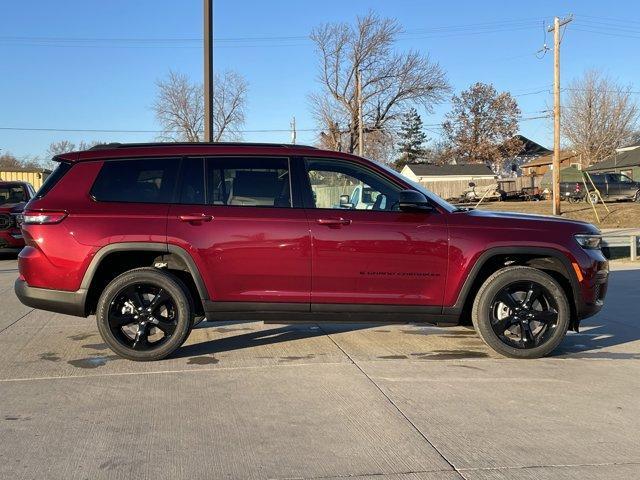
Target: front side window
(136, 181)
(249, 182)
(336, 184)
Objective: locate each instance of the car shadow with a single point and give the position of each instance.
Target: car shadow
(614, 326)
(256, 338)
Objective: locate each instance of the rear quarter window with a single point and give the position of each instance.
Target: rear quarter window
(52, 180)
(136, 181)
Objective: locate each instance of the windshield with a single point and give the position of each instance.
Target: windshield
(429, 194)
(12, 194)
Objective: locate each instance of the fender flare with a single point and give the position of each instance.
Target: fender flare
(456, 309)
(145, 246)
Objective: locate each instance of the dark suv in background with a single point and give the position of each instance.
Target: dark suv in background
(612, 186)
(153, 237)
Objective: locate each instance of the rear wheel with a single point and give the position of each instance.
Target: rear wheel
(521, 312)
(144, 314)
(592, 198)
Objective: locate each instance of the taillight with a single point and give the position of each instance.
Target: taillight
(43, 218)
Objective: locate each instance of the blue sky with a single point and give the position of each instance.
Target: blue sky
(80, 84)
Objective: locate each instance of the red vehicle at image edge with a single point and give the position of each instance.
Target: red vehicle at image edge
(13, 197)
(153, 238)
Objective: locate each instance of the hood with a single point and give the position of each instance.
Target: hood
(12, 207)
(534, 221)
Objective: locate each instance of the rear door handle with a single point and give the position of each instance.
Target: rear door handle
(196, 217)
(333, 221)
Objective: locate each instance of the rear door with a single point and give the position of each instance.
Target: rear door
(237, 218)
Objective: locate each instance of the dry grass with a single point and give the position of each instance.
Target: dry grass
(623, 214)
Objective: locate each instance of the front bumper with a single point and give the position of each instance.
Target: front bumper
(59, 301)
(11, 239)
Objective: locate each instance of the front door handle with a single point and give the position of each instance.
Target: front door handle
(196, 217)
(333, 222)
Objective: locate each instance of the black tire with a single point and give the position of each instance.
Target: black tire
(637, 197)
(548, 313)
(116, 326)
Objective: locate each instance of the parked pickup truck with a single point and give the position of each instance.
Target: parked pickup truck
(13, 197)
(612, 187)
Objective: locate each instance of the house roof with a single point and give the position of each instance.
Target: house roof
(476, 170)
(627, 158)
(531, 148)
(548, 159)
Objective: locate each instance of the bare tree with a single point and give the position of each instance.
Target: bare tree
(391, 82)
(599, 116)
(179, 107)
(481, 126)
(7, 160)
(64, 146)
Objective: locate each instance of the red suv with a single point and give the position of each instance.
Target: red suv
(13, 197)
(154, 237)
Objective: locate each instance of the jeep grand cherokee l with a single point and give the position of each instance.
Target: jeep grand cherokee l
(153, 237)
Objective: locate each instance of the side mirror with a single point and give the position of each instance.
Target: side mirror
(412, 200)
(344, 201)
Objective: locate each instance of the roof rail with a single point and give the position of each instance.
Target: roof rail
(105, 146)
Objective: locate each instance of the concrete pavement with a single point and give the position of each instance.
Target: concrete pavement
(248, 400)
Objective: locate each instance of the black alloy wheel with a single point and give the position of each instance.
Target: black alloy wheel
(524, 315)
(145, 314)
(142, 316)
(521, 312)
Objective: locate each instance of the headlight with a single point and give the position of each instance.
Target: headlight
(590, 242)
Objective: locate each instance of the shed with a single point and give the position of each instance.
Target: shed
(34, 176)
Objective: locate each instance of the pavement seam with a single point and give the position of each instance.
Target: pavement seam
(16, 321)
(359, 475)
(165, 372)
(531, 467)
(391, 402)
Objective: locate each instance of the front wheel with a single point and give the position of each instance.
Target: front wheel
(144, 314)
(521, 312)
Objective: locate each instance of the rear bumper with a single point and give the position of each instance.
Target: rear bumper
(59, 301)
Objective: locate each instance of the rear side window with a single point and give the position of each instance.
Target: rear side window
(136, 181)
(51, 181)
(249, 182)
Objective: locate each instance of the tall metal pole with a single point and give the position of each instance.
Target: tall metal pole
(360, 122)
(208, 70)
(557, 23)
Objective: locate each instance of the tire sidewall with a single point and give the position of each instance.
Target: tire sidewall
(156, 278)
(499, 280)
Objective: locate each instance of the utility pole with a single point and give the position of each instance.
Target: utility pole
(293, 131)
(208, 70)
(360, 123)
(557, 23)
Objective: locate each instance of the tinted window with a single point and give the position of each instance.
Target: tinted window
(249, 182)
(12, 193)
(142, 181)
(343, 185)
(192, 183)
(53, 179)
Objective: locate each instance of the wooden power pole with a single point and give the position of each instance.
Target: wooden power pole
(557, 23)
(208, 70)
(360, 122)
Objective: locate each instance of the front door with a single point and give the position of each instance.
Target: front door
(364, 250)
(241, 228)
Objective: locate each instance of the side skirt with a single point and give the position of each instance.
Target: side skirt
(284, 313)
